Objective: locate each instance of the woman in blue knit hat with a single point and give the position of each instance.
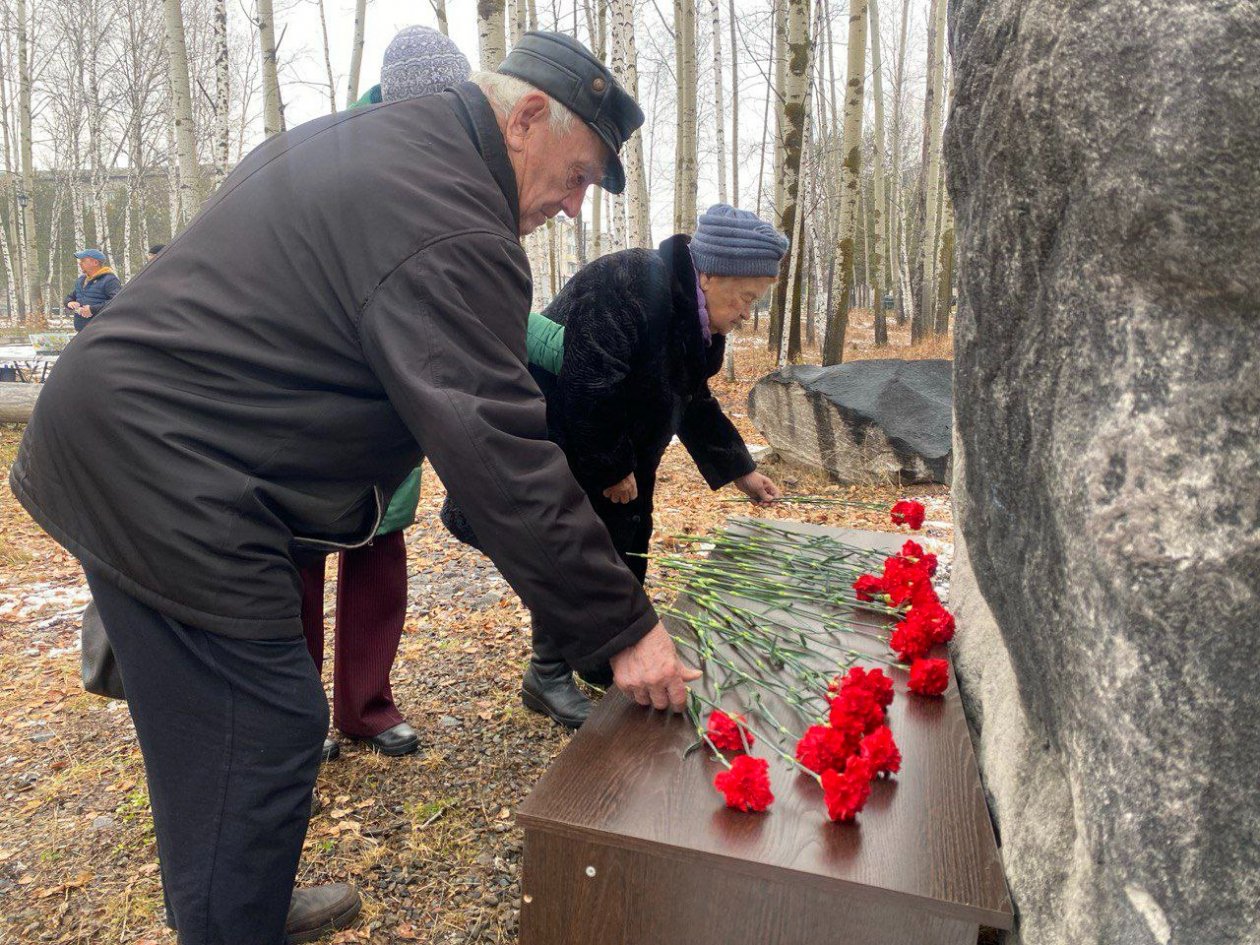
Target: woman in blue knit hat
(624, 355)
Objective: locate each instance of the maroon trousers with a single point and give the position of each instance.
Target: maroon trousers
(371, 605)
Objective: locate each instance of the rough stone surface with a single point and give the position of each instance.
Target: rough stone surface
(867, 421)
(1101, 158)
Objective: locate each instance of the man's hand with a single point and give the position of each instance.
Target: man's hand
(622, 492)
(85, 311)
(651, 672)
(73, 306)
(761, 489)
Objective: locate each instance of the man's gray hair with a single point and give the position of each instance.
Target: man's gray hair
(506, 91)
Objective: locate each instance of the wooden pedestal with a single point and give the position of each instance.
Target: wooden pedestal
(627, 842)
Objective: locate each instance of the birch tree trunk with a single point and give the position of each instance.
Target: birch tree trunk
(625, 67)
(100, 216)
(929, 202)
(879, 245)
(356, 52)
(904, 301)
(328, 70)
(54, 239)
(190, 190)
(10, 276)
(734, 108)
(490, 33)
(685, 142)
(223, 91)
(439, 10)
(793, 112)
(945, 268)
(27, 226)
(691, 90)
(719, 119)
(597, 222)
(850, 181)
(780, 123)
(172, 184)
(273, 115)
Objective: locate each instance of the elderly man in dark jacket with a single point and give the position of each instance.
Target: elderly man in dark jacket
(643, 331)
(354, 297)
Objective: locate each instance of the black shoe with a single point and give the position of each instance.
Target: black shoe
(315, 912)
(330, 750)
(548, 689)
(402, 739)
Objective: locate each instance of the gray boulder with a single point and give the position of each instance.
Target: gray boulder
(884, 421)
(1102, 162)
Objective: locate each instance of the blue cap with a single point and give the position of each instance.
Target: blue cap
(91, 254)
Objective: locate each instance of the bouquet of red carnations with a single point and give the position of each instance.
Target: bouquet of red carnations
(755, 652)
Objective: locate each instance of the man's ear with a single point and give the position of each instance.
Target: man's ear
(529, 114)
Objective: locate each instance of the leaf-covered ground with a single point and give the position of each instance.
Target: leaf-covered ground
(429, 839)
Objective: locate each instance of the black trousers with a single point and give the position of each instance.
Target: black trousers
(630, 528)
(231, 732)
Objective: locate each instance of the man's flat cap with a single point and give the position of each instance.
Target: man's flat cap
(569, 72)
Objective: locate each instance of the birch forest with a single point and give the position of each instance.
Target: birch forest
(825, 117)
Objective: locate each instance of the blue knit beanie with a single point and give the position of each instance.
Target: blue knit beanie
(730, 242)
(420, 61)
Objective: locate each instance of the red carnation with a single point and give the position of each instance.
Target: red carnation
(873, 681)
(913, 552)
(845, 792)
(859, 705)
(746, 784)
(929, 677)
(823, 748)
(868, 587)
(923, 595)
(908, 512)
(912, 639)
(725, 731)
(903, 580)
(938, 620)
(881, 751)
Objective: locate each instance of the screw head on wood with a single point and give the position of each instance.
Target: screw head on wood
(590, 871)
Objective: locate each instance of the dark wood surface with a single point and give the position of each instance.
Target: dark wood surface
(635, 898)
(923, 843)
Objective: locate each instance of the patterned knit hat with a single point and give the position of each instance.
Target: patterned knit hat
(420, 61)
(730, 242)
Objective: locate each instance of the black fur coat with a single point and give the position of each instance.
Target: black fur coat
(636, 371)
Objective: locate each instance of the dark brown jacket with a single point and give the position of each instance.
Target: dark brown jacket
(353, 297)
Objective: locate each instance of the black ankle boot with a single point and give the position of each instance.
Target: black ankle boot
(548, 689)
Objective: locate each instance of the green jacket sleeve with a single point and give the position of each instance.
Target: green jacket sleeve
(544, 343)
(401, 510)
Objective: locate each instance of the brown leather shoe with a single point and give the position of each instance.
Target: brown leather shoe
(319, 910)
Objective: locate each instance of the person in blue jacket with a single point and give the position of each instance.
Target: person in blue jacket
(94, 289)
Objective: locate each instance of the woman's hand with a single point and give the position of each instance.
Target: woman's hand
(761, 489)
(622, 492)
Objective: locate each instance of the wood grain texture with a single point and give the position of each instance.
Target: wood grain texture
(924, 843)
(635, 898)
